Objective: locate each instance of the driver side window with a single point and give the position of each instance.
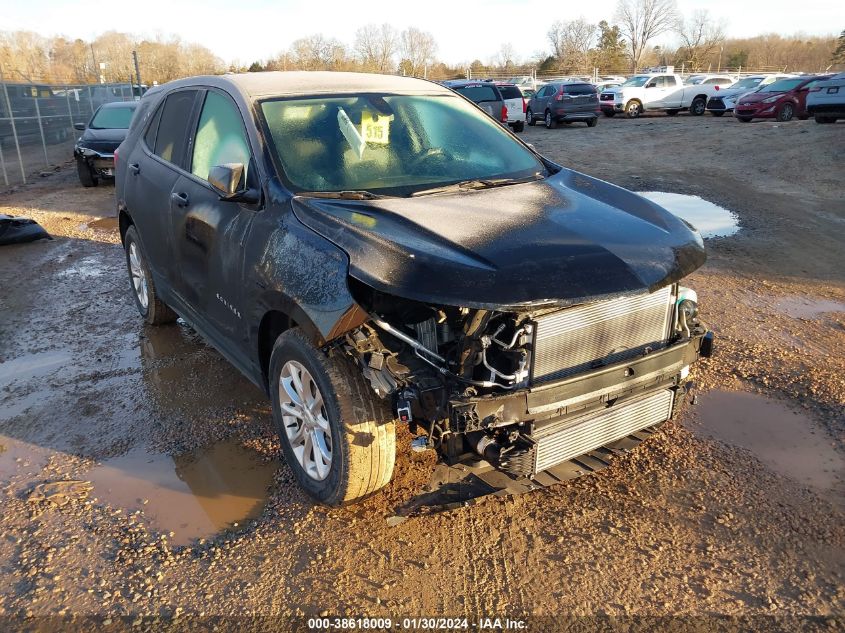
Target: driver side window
(220, 137)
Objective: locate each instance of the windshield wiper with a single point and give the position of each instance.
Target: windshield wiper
(475, 184)
(343, 195)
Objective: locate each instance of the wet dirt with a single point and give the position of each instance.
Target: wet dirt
(688, 524)
(807, 307)
(710, 219)
(104, 224)
(787, 441)
(188, 496)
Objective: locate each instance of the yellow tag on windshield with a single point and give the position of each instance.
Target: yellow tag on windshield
(375, 128)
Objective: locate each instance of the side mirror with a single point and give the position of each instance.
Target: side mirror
(226, 178)
(228, 181)
(79, 126)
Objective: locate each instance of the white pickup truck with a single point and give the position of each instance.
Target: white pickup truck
(657, 91)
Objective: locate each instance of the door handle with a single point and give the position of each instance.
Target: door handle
(180, 199)
(135, 168)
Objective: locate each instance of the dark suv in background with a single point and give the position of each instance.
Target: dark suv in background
(373, 250)
(564, 102)
(486, 94)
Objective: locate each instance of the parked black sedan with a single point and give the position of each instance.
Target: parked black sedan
(94, 151)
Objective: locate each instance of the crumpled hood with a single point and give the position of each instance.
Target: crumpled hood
(562, 240)
(102, 139)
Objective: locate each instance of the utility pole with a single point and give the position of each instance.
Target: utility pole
(137, 72)
(93, 60)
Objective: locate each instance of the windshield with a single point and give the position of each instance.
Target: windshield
(390, 144)
(636, 82)
(784, 85)
(694, 81)
(117, 118)
(748, 82)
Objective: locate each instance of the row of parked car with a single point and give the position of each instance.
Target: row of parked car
(568, 99)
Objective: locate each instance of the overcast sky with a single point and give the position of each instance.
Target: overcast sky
(246, 30)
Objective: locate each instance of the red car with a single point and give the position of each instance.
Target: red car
(780, 100)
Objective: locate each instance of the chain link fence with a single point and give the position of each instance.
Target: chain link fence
(37, 119)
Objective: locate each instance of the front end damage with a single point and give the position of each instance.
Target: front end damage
(531, 393)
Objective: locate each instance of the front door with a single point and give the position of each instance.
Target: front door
(209, 232)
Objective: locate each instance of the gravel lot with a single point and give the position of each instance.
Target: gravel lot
(736, 510)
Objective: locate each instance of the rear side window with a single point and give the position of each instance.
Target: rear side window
(220, 136)
(172, 134)
(479, 94)
(579, 89)
(669, 81)
(510, 92)
(150, 134)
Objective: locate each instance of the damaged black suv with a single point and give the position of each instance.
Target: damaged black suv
(375, 250)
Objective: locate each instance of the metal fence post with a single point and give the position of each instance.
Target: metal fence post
(41, 132)
(3, 166)
(14, 128)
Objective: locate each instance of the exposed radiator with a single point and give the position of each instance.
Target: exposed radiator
(562, 441)
(575, 339)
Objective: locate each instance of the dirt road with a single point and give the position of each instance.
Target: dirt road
(738, 509)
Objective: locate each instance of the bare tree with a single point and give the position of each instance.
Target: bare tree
(506, 57)
(640, 21)
(418, 49)
(700, 35)
(376, 47)
(571, 42)
(317, 52)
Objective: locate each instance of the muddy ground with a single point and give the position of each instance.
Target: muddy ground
(737, 509)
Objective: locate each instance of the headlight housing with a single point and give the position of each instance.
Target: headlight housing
(771, 99)
(687, 308)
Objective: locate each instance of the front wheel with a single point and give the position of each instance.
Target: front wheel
(634, 109)
(529, 117)
(337, 436)
(85, 173)
(786, 112)
(153, 309)
(698, 106)
(551, 122)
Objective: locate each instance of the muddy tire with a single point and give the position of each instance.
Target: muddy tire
(551, 122)
(341, 445)
(529, 117)
(633, 109)
(152, 309)
(785, 113)
(86, 174)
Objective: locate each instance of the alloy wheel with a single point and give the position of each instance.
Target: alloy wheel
(305, 420)
(139, 276)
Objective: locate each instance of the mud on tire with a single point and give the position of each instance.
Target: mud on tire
(363, 431)
(156, 311)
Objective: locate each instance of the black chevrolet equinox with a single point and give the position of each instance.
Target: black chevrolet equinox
(376, 251)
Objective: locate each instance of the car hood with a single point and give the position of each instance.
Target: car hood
(559, 241)
(757, 97)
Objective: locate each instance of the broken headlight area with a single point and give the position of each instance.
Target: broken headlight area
(526, 392)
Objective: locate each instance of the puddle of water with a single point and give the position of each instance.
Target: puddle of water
(31, 366)
(807, 308)
(104, 224)
(20, 458)
(788, 442)
(710, 220)
(192, 495)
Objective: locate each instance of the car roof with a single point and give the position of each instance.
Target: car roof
(301, 82)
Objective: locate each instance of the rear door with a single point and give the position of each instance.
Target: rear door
(673, 92)
(208, 232)
(152, 168)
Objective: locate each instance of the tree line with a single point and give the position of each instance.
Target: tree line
(619, 45)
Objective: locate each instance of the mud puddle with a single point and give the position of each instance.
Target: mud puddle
(194, 495)
(786, 441)
(31, 366)
(20, 459)
(104, 224)
(807, 308)
(711, 220)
